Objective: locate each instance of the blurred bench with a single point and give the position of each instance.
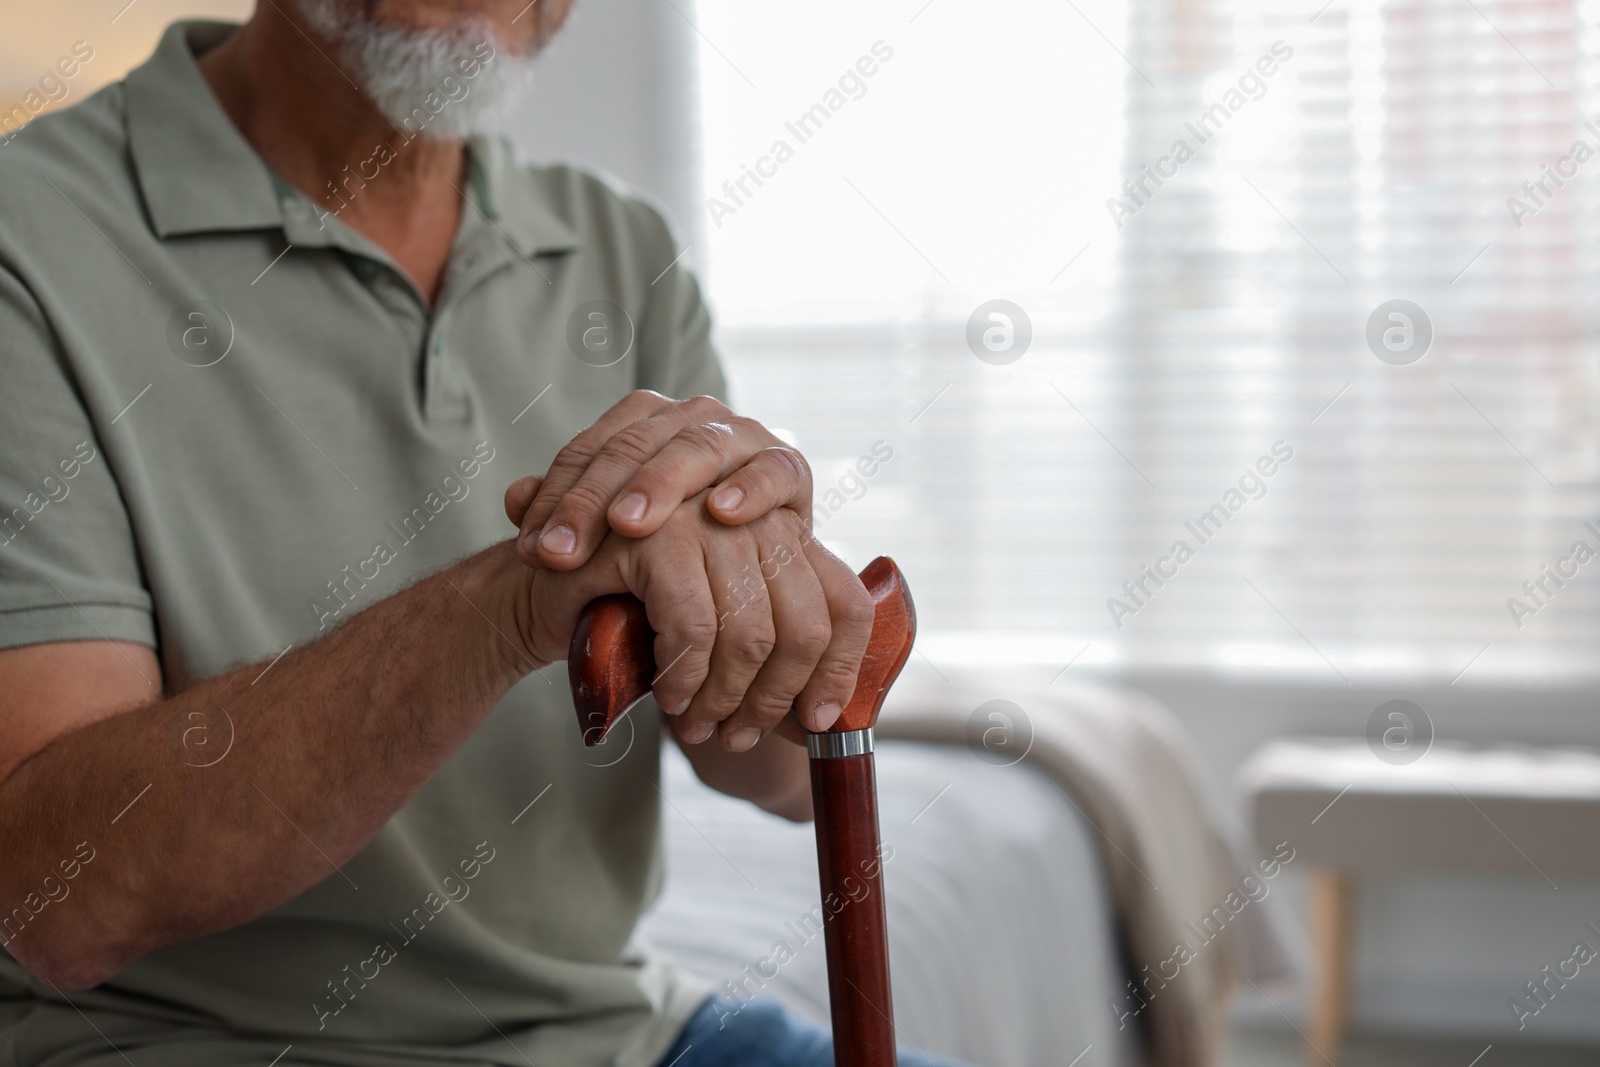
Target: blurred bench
(1461, 808)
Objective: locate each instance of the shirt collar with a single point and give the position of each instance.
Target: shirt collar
(198, 174)
(511, 203)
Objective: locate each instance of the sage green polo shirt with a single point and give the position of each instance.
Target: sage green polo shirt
(227, 424)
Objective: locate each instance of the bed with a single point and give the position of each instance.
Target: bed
(1003, 933)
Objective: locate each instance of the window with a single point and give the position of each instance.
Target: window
(1200, 370)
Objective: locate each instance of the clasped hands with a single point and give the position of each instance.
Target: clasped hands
(705, 517)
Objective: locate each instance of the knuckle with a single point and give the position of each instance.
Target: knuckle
(777, 523)
(753, 644)
(632, 445)
(835, 677)
(792, 462)
(708, 404)
(786, 534)
(709, 439)
(715, 707)
(854, 607)
(576, 454)
(680, 685)
(584, 499)
(812, 638)
(766, 708)
(698, 633)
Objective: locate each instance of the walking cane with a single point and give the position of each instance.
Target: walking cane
(611, 667)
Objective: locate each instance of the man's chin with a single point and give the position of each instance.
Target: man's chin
(435, 85)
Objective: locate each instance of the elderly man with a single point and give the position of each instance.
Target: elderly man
(283, 777)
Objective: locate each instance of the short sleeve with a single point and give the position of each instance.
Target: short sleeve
(675, 330)
(69, 566)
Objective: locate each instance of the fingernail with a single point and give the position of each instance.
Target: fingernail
(728, 499)
(824, 716)
(679, 709)
(530, 542)
(559, 539)
(697, 732)
(743, 739)
(631, 508)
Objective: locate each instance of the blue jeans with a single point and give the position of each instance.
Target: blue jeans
(763, 1033)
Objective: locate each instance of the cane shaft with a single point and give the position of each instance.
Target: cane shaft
(844, 795)
(611, 667)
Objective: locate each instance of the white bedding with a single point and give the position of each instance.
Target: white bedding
(1001, 924)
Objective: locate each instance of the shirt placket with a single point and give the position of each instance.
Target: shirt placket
(479, 252)
(480, 249)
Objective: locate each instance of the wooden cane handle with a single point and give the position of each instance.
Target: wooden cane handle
(612, 664)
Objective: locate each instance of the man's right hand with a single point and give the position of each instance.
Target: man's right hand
(750, 620)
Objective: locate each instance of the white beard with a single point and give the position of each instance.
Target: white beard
(401, 69)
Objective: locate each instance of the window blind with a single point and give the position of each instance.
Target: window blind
(1208, 211)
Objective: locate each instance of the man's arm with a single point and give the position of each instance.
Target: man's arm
(328, 744)
(333, 739)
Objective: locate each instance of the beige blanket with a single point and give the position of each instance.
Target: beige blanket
(1122, 760)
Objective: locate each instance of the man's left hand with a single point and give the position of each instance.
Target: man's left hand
(630, 470)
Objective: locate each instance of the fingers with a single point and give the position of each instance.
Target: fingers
(745, 635)
(803, 631)
(556, 599)
(765, 474)
(793, 626)
(574, 459)
(519, 496)
(574, 510)
(671, 579)
(776, 477)
(850, 613)
(752, 623)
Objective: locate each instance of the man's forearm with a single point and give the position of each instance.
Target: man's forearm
(327, 745)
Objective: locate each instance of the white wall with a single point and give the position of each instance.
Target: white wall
(617, 92)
